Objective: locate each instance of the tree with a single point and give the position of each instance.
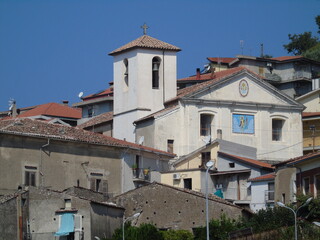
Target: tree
(313, 53)
(300, 43)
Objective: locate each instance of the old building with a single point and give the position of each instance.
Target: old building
(238, 106)
(169, 207)
(299, 175)
(46, 214)
(37, 153)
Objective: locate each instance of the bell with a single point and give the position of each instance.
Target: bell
(155, 67)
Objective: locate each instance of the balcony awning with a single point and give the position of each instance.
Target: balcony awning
(231, 172)
(66, 225)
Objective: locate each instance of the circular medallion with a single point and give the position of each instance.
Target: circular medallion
(243, 88)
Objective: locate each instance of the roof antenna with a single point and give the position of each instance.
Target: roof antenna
(261, 49)
(241, 46)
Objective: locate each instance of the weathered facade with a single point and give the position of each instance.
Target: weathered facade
(169, 207)
(35, 153)
(39, 214)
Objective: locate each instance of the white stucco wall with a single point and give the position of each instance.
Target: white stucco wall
(258, 198)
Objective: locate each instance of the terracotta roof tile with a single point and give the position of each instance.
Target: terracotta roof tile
(35, 128)
(285, 58)
(310, 114)
(146, 41)
(53, 110)
(96, 120)
(102, 93)
(270, 176)
(221, 60)
(296, 160)
(248, 160)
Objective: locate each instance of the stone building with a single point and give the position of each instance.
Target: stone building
(44, 214)
(55, 156)
(169, 207)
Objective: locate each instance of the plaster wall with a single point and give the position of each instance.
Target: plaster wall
(9, 220)
(59, 165)
(311, 102)
(285, 187)
(258, 201)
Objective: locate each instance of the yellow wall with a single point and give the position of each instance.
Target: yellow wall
(167, 178)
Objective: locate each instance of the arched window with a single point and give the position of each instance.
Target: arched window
(277, 129)
(206, 121)
(126, 72)
(155, 72)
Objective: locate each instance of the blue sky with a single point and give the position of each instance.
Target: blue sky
(50, 50)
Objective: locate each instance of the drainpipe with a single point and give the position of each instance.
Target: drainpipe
(40, 165)
(163, 90)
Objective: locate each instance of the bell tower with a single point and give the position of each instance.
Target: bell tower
(144, 79)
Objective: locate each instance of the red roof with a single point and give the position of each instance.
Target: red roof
(296, 160)
(221, 60)
(53, 110)
(35, 128)
(270, 176)
(310, 114)
(146, 41)
(102, 93)
(96, 120)
(248, 160)
(285, 58)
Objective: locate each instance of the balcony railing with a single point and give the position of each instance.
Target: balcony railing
(141, 174)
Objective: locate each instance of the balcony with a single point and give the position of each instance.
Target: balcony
(141, 175)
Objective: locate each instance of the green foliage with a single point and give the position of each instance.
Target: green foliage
(318, 22)
(177, 235)
(218, 229)
(310, 212)
(313, 53)
(300, 43)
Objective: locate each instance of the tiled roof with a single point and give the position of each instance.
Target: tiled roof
(221, 60)
(310, 114)
(216, 77)
(96, 120)
(300, 159)
(146, 41)
(159, 113)
(266, 177)
(35, 128)
(53, 110)
(285, 58)
(248, 160)
(102, 93)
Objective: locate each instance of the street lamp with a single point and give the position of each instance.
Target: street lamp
(317, 223)
(124, 221)
(209, 165)
(295, 214)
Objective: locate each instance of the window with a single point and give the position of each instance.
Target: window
(187, 183)
(205, 157)
(126, 72)
(270, 191)
(205, 124)
(170, 145)
(97, 183)
(155, 72)
(306, 186)
(30, 176)
(231, 165)
(277, 126)
(90, 111)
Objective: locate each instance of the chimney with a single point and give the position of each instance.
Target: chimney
(65, 102)
(198, 74)
(213, 72)
(14, 109)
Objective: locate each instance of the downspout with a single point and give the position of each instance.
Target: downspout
(300, 179)
(40, 165)
(163, 90)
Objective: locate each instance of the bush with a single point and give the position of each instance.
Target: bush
(177, 235)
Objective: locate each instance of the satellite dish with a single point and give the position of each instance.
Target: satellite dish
(141, 139)
(11, 103)
(80, 94)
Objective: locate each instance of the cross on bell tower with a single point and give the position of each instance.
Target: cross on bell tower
(145, 27)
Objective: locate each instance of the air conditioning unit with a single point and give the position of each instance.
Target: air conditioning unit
(176, 176)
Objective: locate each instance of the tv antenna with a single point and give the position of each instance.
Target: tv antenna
(12, 102)
(241, 46)
(207, 139)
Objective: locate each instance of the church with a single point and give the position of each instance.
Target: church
(233, 117)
